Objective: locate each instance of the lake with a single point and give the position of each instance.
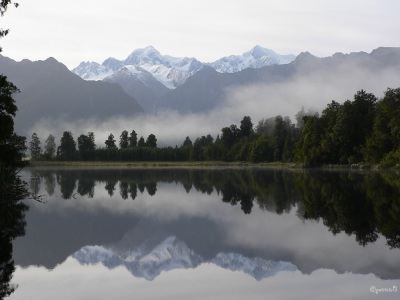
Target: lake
(209, 233)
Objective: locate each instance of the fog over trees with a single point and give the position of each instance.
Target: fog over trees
(362, 130)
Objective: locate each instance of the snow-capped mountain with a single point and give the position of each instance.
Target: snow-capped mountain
(257, 267)
(168, 70)
(257, 57)
(172, 71)
(148, 261)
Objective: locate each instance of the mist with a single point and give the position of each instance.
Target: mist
(311, 91)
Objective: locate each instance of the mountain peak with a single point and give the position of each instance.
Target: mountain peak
(257, 57)
(258, 52)
(305, 57)
(148, 54)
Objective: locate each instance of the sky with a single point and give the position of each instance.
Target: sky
(93, 30)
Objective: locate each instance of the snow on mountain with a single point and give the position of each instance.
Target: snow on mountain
(148, 261)
(172, 71)
(168, 70)
(257, 267)
(257, 57)
(143, 262)
(92, 71)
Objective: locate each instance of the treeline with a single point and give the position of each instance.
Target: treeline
(364, 130)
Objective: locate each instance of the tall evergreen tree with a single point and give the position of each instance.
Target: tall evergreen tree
(110, 142)
(141, 142)
(133, 139)
(34, 147)
(12, 146)
(50, 147)
(67, 148)
(86, 143)
(151, 141)
(246, 126)
(123, 140)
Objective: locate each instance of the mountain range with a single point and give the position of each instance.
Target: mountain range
(147, 75)
(161, 83)
(173, 71)
(148, 260)
(148, 82)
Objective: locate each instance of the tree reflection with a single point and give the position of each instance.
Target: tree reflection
(86, 186)
(133, 190)
(365, 205)
(151, 188)
(50, 182)
(67, 184)
(123, 189)
(12, 225)
(110, 187)
(341, 202)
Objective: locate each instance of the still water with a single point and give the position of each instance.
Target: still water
(174, 233)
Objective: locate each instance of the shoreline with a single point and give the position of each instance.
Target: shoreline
(208, 164)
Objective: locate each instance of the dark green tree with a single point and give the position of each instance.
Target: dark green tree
(133, 139)
(49, 147)
(141, 142)
(12, 188)
(246, 126)
(110, 142)
(34, 147)
(279, 136)
(227, 137)
(202, 148)
(12, 146)
(353, 125)
(151, 141)
(187, 142)
(86, 143)
(385, 137)
(7, 107)
(67, 148)
(86, 146)
(261, 150)
(123, 140)
(308, 147)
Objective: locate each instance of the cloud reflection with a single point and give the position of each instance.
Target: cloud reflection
(70, 280)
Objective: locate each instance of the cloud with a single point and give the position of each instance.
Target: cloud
(312, 90)
(70, 280)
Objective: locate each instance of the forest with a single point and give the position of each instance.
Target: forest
(363, 130)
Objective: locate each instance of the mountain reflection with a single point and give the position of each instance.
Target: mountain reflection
(154, 256)
(365, 205)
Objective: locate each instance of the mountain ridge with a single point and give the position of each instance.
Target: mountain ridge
(49, 90)
(172, 71)
(149, 261)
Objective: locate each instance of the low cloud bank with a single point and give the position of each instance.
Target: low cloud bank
(311, 91)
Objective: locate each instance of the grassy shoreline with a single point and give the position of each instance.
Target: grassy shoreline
(159, 164)
(203, 164)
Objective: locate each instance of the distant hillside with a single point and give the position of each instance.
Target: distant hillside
(50, 91)
(208, 89)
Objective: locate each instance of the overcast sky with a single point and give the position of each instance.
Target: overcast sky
(81, 30)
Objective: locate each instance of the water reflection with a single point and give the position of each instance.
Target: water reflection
(12, 225)
(110, 224)
(364, 205)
